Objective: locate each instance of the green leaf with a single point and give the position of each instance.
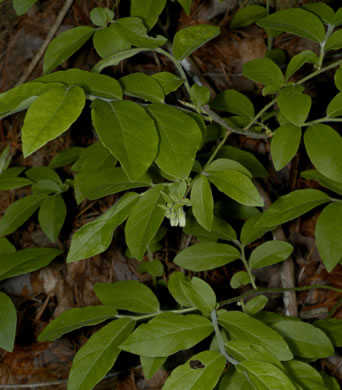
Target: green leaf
(128, 132)
(206, 256)
(50, 115)
(8, 322)
(297, 61)
(168, 81)
(304, 339)
(244, 350)
(99, 17)
(322, 10)
(247, 159)
(142, 86)
(270, 252)
(220, 229)
(199, 95)
(264, 71)
(166, 334)
(66, 157)
(144, 221)
(247, 15)
(239, 279)
(134, 31)
(48, 187)
(338, 78)
(97, 356)
(18, 213)
(250, 231)
(236, 185)
(304, 375)
(108, 41)
(151, 365)
(51, 216)
(293, 104)
(256, 304)
(116, 58)
(94, 159)
(192, 293)
(265, 375)
(73, 319)
(338, 17)
(202, 202)
(328, 235)
(26, 260)
(295, 21)
(43, 173)
(96, 236)
(205, 377)
(330, 382)
(334, 108)
(313, 174)
(186, 4)
(241, 326)
(332, 328)
(234, 102)
(128, 295)
(284, 145)
(5, 159)
(323, 145)
(180, 137)
(6, 247)
(20, 98)
(21, 6)
(335, 41)
(93, 84)
(291, 206)
(11, 183)
(65, 45)
(189, 39)
(109, 181)
(234, 380)
(223, 164)
(148, 10)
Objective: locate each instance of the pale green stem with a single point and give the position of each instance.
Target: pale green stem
(152, 315)
(245, 263)
(219, 338)
(259, 114)
(330, 29)
(322, 120)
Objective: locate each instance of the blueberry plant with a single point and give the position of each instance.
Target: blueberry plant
(167, 163)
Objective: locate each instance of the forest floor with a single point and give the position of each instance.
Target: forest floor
(42, 295)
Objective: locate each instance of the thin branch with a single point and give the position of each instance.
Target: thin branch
(52, 32)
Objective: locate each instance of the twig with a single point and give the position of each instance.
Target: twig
(48, 39)
(33, 385)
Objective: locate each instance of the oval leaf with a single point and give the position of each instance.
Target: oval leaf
(52, 215)
(65, 45)
(304, 339)
(128, 132)
(73, 319)
(323, 145)
(293, 104)
(241, 326)
(128, 295)
(334, 108)
(166, 334)
(96, 236)
(295, 21)
(328, 235)
(191, 38)
(148, 10)
(144, 221)
(97, 356)
(180, 137)
(264, 71)
(291, 206)
(270, 252)
(50, 115)
(206, 256)
(8, 322)
(234, 102)
(284, 145)
(247, 15)
(142, 86)
(202, 202)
